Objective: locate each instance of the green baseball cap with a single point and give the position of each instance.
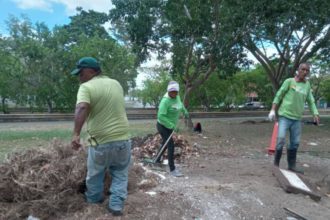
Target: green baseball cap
(86, 62)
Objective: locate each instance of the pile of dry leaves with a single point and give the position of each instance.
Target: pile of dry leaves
(42, 182)
(147, 147)
(48, 182)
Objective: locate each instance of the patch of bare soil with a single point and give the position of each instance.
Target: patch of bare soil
(232, 178)
(228, 176)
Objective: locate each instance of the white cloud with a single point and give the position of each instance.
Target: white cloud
(70, 5)
(96, 5)
(34, 4)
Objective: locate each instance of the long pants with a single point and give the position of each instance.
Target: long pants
(294, 127)
(114, 157)
(165, 133)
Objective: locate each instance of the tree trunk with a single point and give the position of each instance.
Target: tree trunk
(49, 106)
(186, 99)
(4, 106)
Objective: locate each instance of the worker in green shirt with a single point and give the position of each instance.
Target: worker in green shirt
(100, 103)
(168, 114)
(289, 103)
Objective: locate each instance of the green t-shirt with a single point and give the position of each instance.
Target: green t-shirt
(293, 96)
(169, 111)
(107, 120)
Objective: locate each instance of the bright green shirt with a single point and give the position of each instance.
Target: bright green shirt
(292, 95)
(169, 111)
(107, 120)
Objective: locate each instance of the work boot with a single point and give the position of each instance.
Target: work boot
(277, 157)
(292, 157)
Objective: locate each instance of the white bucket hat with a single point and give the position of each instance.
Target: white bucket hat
(173, 86)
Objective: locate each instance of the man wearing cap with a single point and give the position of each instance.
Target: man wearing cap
(100, 102)
(168, 114)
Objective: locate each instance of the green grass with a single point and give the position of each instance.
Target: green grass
(21, 139)
(32, 135)
(26, 136)
(138, 128)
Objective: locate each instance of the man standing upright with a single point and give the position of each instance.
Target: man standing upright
(100, 102)
(290, 101)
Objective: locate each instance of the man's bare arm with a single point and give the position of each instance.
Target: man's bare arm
(80, 116)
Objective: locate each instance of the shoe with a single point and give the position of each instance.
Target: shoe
(176, 173)
(115, 212)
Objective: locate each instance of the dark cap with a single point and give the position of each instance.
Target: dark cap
(86, 62)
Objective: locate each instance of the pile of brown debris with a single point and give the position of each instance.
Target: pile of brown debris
(42, 182)
(48, 182)
(148, 146)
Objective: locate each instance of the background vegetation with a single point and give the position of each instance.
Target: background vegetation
(210, 45)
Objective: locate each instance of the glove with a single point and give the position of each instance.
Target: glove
(271, 115)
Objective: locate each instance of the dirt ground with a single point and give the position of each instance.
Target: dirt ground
(230, 179)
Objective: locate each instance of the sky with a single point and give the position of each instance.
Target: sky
(55, 12)
(51, 12)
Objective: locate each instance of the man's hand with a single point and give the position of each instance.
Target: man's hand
(80, 116)
(75, 143)
(316, 119)
(272, 115)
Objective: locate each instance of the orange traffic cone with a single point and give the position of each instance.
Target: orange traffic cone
(272, 145)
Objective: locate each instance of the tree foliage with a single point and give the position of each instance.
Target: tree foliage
(325, 89)
(192, 31)
(226, 93)
(10, 77)
(255, 81)
(288, 32)
(320, 79)
(219, 93)
(40, 60)
(154, 87)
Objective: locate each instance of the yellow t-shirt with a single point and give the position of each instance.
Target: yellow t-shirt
(107, 120)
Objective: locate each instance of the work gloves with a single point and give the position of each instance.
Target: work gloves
(272, 115)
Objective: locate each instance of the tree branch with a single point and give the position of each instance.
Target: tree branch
(188, 63)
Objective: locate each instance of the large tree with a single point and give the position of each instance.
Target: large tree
(35, 48)
(87, 36)
(45, 59)
(88, 23)
(10, 77)
(192, 31)
(281, 34)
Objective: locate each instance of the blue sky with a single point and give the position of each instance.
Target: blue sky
(54, 12)
(51, 12)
